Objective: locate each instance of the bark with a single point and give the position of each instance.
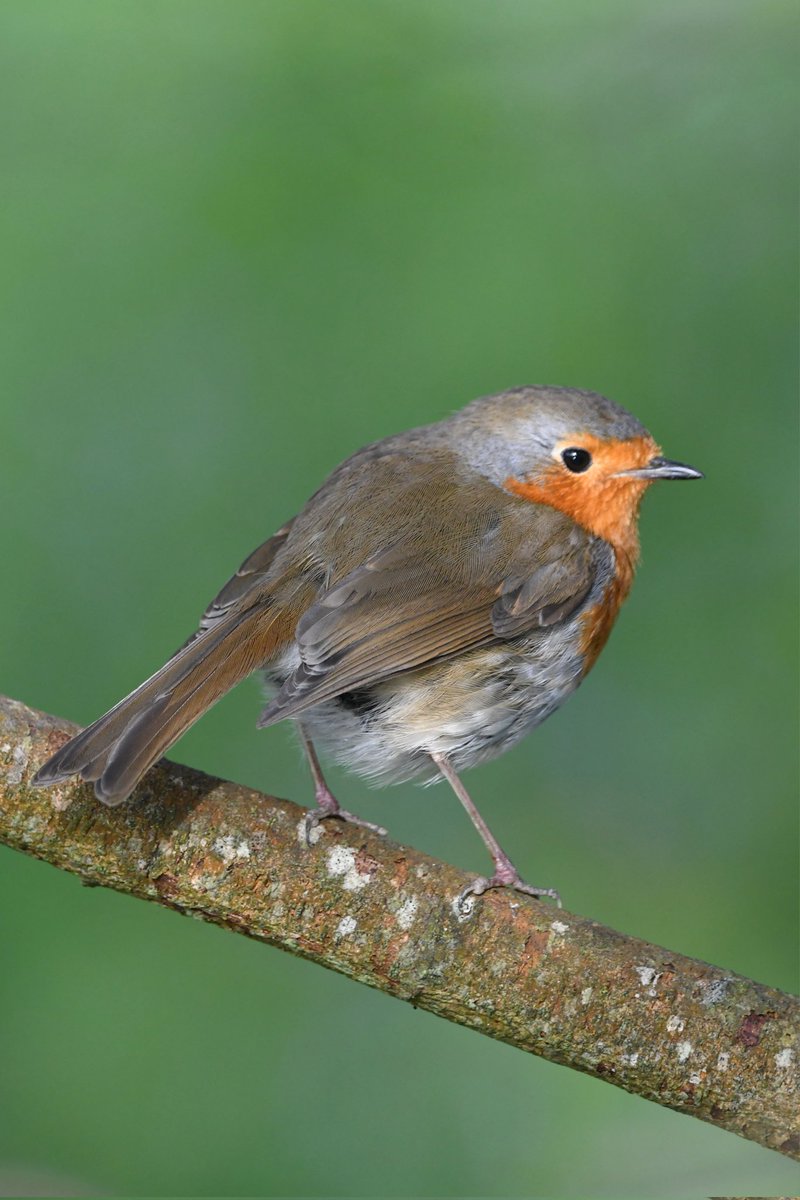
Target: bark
(674, 1030)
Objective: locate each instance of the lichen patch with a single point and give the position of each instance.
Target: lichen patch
(649, 977)
(346, 926)
(61, 798)
(19, 761)
(715, 991)
(407, 912)
(341, 862)
(683, 1050)
(230, 848)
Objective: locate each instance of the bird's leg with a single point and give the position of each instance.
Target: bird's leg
(505, 873)
(327, 804)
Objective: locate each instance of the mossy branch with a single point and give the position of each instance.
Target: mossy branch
(674, 1030)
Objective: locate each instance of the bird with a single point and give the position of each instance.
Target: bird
(440, 595)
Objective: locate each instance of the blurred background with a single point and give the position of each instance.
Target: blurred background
(241, 240)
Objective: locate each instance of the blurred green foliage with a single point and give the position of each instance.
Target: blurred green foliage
(239, 241)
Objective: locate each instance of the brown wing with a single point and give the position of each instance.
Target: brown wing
(529, 568)
(244, 580)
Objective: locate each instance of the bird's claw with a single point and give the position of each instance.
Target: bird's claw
(315, 816)
(501, 879)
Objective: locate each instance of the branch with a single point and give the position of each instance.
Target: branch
(671, 1029)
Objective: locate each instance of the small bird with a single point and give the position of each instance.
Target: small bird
(441, 594)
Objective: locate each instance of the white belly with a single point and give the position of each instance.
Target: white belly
(470, 709)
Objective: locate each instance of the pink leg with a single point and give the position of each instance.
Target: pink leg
(327, 804)
(505, 873)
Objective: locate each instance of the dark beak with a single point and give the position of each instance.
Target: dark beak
(662, 468)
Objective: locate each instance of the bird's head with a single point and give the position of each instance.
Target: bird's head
(572, 450)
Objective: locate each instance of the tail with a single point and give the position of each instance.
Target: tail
(118, 748)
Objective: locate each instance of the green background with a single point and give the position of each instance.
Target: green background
(240, 240)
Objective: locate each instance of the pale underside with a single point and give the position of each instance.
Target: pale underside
(470, 709)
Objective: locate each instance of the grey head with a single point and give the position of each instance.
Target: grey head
(509, 432)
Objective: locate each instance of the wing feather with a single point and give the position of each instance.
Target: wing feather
(398, 610)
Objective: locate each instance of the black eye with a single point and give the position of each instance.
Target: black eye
(576, 460)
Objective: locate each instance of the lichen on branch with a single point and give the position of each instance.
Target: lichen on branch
(690, 1036)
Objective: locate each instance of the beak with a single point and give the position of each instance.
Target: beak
(661, 468)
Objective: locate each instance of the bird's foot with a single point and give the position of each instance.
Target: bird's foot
(505, 875)
(329, 806)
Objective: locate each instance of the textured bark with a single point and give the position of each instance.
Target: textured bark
(671, 1029)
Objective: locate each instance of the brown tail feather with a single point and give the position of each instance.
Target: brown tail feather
(120, 746)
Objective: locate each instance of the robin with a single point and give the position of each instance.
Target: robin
(440, 595)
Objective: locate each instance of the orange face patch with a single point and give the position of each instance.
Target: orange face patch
(603, 504)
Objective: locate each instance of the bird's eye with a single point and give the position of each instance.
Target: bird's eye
(576, 460)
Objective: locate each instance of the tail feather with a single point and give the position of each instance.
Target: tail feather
(116, 751)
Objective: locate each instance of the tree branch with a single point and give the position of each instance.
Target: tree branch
(671, 1029)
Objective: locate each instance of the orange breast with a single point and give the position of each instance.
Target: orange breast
(598, 621)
